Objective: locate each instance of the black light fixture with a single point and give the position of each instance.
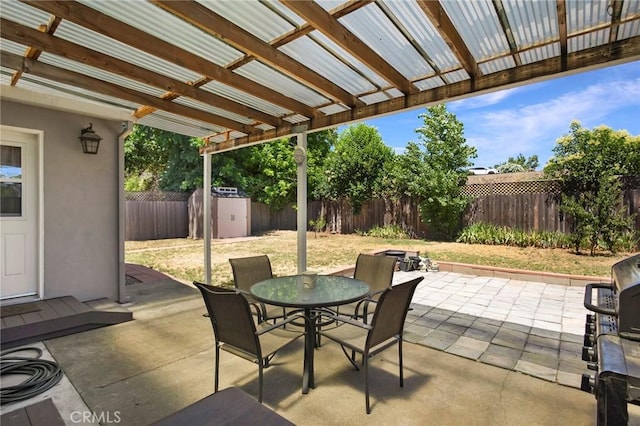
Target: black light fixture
(89, 140)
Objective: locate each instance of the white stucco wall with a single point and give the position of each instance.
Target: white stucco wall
(81, 242)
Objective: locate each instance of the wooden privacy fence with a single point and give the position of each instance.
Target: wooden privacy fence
(156, 216)
(339, 218)
(527, 211)
(539, 211)
(263, 219)
(381, 212)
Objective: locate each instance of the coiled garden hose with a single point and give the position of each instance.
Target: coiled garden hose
(42, 375)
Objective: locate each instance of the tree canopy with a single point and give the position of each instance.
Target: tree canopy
(268, 172)
(520, 163)
(589, 164)
(355, 167)
(160, 160)
(435, 170)
(156, 159)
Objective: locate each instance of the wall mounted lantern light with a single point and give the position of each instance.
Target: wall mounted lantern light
(89, 140)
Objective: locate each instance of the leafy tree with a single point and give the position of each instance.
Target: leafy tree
(510, 167)
(227, 168)
(518, 164)
(588, 165)
(446, 157)
(403, 176)
(145, 157)
(354, 168)
(319, 145)
(269, 172)
(435, 170)
(184, 168)
(156, 159)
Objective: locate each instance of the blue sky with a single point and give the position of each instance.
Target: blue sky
(529, 119)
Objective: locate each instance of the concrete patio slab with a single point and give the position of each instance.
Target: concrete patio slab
(498, 372)
(158, 364)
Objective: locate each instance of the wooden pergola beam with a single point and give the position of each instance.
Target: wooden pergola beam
(615, 10)
(31, 51)
(60, 75)
(561, 9)
(211, 23)
(440, 20)
(277, 42)
(506, 29)
(127, 34)
(303, 30)
(57, 46)
(628, 49)
(321, 20)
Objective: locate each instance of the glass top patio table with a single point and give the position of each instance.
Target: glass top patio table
(290, 291)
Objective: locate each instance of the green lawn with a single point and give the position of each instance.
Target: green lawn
(184, 258)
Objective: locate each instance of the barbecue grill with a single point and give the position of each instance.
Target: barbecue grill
(612, 342)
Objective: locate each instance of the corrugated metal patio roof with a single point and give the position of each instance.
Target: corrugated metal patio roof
(243, 72)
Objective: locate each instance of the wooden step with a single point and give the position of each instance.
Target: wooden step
(59, 317)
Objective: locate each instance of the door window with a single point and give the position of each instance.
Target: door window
(10, 181)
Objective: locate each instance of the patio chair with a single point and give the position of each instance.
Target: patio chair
(236, 332)
(385, 330)
(377, 271)
(246, 272)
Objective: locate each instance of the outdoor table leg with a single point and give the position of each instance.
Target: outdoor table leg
(286, 292)
(309, 341)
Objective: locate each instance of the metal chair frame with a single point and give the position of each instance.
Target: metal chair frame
(246, 272)
(236, 332)
(385, 329)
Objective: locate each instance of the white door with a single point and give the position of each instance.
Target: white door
(18, 214)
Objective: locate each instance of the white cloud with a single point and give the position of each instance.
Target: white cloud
(483, 100)
(533, 129)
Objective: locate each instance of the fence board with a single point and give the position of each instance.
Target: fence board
(155, 220)
(262, 219)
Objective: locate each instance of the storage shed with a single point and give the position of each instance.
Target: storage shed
(230, 213)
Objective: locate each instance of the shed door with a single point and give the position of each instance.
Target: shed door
(232, 217)
(18, 214)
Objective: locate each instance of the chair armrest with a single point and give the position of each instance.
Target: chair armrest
(370, 297)
(261, 311)
(349, 320)
(279, 324)
(364, 303)
(375, 293)
(361, 301)
(239, 290)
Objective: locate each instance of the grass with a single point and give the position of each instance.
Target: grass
(184, 258)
